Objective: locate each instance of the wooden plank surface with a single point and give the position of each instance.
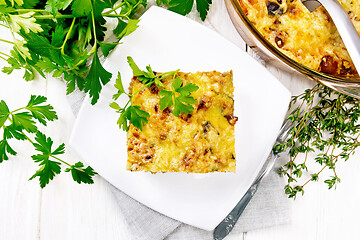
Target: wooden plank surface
(65, 210)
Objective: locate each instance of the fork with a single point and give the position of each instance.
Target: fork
(226, 226)
(346, 29)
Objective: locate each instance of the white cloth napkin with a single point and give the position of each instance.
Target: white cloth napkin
(268, 207)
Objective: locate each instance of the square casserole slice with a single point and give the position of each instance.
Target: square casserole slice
(200, 142)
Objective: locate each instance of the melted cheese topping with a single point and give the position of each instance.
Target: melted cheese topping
(308, 38)
(200, 142)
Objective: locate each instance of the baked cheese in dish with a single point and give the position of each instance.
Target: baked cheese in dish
(199, 142)
(309, 38)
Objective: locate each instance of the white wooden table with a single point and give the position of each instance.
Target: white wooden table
(66, 210)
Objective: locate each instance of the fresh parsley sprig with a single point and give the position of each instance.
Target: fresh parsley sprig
(325, 122)
(133, 114)
(62, 37)
(20, 124)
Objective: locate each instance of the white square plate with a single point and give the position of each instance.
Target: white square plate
(169, 41)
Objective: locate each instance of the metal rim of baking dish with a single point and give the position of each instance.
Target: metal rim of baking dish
(269, 52)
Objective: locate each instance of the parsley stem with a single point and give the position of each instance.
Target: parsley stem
(3, 25)
(115, 8)
(6, 41)
(6, 55)
(32, 142)
(122, 15)
(29, 10)
(16, 110)
(146, 85)
(52, 16)
(133, 95)
(67, 35)
(114, 15)
(94, 29)
(61, 160)
(168, 74)
(27, 138)
(11, 30)
(3, 58)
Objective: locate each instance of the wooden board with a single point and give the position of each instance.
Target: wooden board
(66, 210)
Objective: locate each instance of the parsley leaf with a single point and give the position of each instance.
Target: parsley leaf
(41, 112)
(202, 6)
(25, 121)
(133, 114)
(137, 116)
(180, 107)
(124, 30)
(39, 44)
(4, 149)
(187, 89)
(81, 174)
(107, 47)
(43, 144)
(47, 171)
(54, 6)
(57, 36)
(13, 131)
(30, 3)
(19, 60)
(136, 70)
(184, 7)
(59, 150)
(82, 8)
(16, 2)
(4, 113)
(122, 121)
(181, 101)
(25, 21)
(16, 61)
(119, 86)
(166, 100)
(24, 51)
(96, 76)
(46, 65)
(149, 75)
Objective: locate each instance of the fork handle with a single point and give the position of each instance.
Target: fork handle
(347, 31)
(226, 226)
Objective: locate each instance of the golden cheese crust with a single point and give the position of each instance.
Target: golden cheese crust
(308, 38)
(200, 142)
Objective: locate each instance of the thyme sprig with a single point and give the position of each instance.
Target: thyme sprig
(324, 122)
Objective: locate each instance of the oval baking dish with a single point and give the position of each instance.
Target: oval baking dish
(346, 84)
